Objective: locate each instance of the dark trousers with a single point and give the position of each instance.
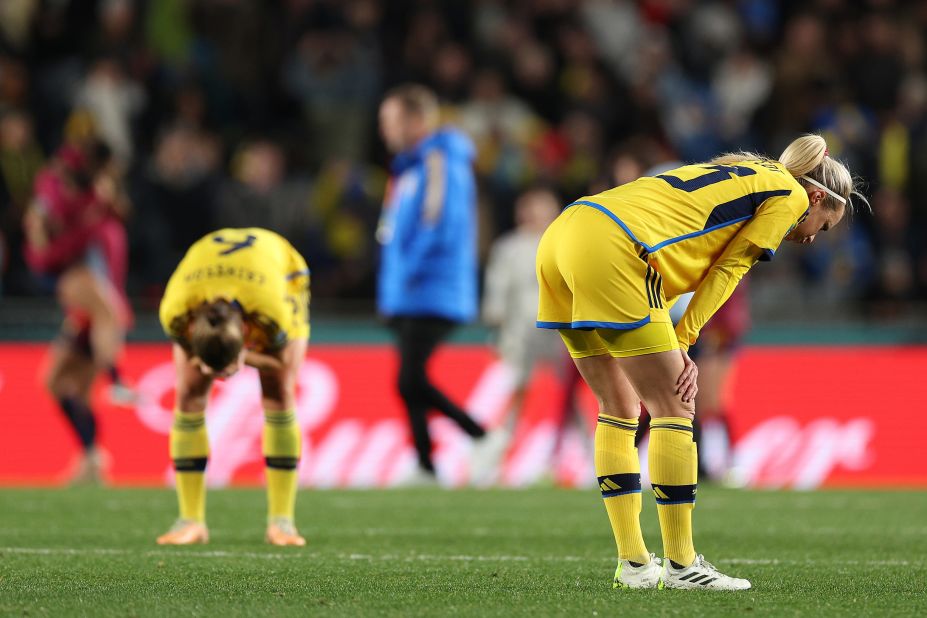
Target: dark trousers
(417, 338)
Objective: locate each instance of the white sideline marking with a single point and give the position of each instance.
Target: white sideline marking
(811, 562)
(186, 553)
(104, 551)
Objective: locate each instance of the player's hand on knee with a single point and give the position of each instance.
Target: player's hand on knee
(687, 384)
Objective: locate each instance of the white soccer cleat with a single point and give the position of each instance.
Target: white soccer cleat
(644, 576)
(700, 575)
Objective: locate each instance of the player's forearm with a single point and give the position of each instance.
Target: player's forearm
(715, 289)
(262, 362)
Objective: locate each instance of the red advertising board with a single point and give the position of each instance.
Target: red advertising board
(809, 416)
(804, 417)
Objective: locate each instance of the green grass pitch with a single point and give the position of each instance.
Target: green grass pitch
(537, 552)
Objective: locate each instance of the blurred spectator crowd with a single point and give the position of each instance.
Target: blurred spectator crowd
(246, 113)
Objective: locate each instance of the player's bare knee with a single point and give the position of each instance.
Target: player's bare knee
(62, 386)
(278, 391)
(630, 411)
(687, 409)
(53, 384)
(274, 404)
(51, 379)
(660, 407)
(620, 409)
(273, 387)
(191, 403)
(67, 294)
(193, 397)
(75, 287)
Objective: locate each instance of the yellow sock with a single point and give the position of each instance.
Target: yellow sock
(189, 448)
(674, 474)
(281, 443)
(619, 472)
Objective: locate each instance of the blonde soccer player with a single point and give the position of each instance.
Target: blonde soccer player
(239, 296)
(610, 267)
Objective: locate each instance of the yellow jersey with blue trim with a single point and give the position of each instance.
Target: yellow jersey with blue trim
(253, 268)
(683, 219)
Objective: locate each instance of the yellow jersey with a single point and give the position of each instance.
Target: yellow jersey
(684, 218)
(254, 268)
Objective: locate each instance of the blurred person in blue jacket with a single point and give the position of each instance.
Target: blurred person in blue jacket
(428, 269)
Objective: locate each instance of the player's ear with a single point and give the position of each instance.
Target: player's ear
(817, 197)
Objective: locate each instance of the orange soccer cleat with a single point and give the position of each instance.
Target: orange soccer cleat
(185, 532)
(282, 532)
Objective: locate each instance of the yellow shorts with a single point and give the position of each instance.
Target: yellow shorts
(650, 338)
(298, 296)
(598, 289)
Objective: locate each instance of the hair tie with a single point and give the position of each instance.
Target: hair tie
(826, 152)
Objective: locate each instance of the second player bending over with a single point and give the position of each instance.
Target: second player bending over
(239, 297)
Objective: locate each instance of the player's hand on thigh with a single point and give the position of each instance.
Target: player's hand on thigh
(687, 383)
(665, 381)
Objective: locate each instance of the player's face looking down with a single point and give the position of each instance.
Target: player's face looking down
(217, 336)
(820, 218)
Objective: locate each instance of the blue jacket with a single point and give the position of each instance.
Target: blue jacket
(428, 265)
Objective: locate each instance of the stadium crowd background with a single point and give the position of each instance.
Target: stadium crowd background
(243, 113)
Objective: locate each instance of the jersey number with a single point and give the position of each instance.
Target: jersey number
(233, 245)
(720, 174)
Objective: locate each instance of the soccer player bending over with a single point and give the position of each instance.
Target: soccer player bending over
(239, 296)
(609, 268)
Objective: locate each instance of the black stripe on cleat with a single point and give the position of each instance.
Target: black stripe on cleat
(696, 580)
